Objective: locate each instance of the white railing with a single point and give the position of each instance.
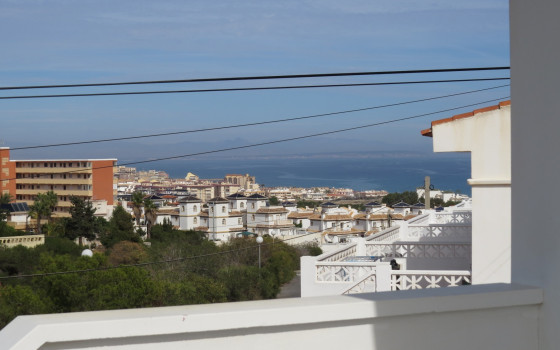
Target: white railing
(456, 217)
(276, 223)
(27, 241)
(405, 280)
(365, 285)
(419, 250)
(342, 271)
(338, 254)
(420, 219)
(454, 232)
(391, 234)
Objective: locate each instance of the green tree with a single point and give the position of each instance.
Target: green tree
(5, 198)
(82, 222)
(137, 204)
(274, 200)
(150, 214)
(21, 300)
(120, 228)
(43, 207)
(307, 203)
(410, 197)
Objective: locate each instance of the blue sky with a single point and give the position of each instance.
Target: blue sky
(59, 42)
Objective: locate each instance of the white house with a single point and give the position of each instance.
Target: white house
(223, 224)
(189, 213)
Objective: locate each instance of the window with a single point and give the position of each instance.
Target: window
(223, 208)
(182, 208)
(252, 205)
(194, 220)
(253, 217)
(242, 205)
(223, 221)
(194, 208)
(239, 222)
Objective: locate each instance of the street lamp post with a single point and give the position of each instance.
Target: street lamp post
(259, 241)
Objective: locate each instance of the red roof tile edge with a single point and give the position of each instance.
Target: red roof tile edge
(428, 132)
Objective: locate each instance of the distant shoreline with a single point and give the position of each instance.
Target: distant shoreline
(390, 174)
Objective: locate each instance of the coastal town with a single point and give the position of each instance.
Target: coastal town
(226, 208)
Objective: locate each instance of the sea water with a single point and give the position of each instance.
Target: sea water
(393, 174)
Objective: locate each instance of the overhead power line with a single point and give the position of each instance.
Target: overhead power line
(288, 139)
(256, 123)
(258, 77)
(167, 261)
(251, 88)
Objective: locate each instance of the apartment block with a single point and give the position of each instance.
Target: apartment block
(90, 179)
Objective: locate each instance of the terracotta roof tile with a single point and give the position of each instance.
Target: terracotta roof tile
(271, 210)
(428, 132)
(296, 215)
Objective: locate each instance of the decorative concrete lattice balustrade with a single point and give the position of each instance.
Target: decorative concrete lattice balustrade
(339, 254)
(365, 285)
(405, 280)
(419, 250)
(432, 250)
(29, 241)
(438, 232)
(343, 271)
(455, 217)
(391, 234)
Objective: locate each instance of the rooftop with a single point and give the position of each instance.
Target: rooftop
(428, 132)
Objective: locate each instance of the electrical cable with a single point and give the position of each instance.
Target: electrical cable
(262, 77)
(281, 140)
(256, 123)
(250, 88)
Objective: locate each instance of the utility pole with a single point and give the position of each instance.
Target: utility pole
(427, 192)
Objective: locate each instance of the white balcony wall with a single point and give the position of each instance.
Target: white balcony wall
(497, 317)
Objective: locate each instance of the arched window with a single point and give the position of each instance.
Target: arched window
(194, 220)
(194, 208)
(242, 205)
(252, 205)
(223, 221)
(253, 217)
(223, 208)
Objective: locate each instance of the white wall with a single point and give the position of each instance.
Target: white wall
(497, 317)
(487, 136)
(535, 56)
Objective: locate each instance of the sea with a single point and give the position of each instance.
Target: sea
(393, 174)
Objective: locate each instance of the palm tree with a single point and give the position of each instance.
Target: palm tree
(43, 207)
(150, 213)
(51, 200)
(137, 204)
